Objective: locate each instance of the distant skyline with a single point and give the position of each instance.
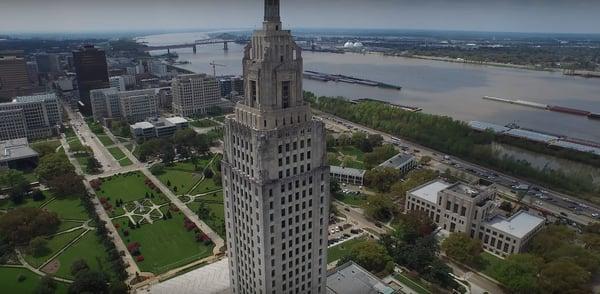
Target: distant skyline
(70, 16)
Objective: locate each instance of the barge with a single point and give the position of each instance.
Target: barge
(325, 77)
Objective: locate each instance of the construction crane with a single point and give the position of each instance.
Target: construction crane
(214, 66)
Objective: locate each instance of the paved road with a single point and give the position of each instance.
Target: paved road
(355, 216)
(86, 137)
(552, 201)
(479, 284)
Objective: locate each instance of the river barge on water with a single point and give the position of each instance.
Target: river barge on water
(325, 77)
(554, 108)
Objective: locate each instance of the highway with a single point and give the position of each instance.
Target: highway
(545, 201)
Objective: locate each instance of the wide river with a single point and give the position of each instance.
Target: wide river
(445, 88)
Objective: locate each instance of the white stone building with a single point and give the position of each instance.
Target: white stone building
(467, 209)
(195, 94)
(130, 106)
(275, 176)
(34, 117)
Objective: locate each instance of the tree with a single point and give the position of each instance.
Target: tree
(370, 255)
(22, 224)
(118, 288)
(462, 248)
(382, 179)
(70, 184)
(89, 282)
(167, 154)
(16, 182)
(47, 285)
(38, 195)
(93, 165)
(217, 179)
(414, 225)
(379, 155)
(506, 206)
(375, 140)
(425, 160)
(208, 173)
(562, 276)
(78, 266)
(519, 273)
(380, 207)
(334, 187)
(549, 239)
(38, 246)
(52, 165)
(43, 148)
(203, 211)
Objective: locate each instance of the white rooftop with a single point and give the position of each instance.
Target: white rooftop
(429, 192)
(142, 125)
(517, 225)
(35, 98)
(209, 279)
(177, 120)
(16, 149)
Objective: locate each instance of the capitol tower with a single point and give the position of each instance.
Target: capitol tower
(275, 176)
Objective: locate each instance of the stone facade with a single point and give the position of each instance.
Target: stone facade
(275, 177)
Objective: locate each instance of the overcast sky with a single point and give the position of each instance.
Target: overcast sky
(556, 16)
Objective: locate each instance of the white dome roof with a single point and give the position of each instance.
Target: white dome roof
(349, 44)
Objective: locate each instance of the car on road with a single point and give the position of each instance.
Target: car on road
(347, 209)
(595, 215)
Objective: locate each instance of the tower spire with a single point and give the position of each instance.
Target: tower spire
(272, 11)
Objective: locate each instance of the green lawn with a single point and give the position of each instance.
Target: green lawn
(490, 264)
(74, 143)
(204, 123)
(415, 286)
(105, 140)
(95, 127)
(214, 202)
(165, 244)
(10, 284)
(180, 182)
(207, 185)
(219, 118)
(346, 156)
(68, 208)
(120, 156)
(28, 202)
(353, 200)
(54, 245)
(53, 143)
(127, 187)
(338, 251)
(88, 248)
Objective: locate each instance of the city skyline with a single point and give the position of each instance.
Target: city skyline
(464, 15)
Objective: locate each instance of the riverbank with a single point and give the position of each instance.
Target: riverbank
(484, 63)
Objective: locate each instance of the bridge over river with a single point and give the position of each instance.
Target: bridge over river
(192, 45)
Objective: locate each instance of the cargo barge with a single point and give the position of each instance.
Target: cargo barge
(554, 108)
(325, 77)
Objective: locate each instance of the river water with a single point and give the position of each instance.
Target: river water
(445, 88)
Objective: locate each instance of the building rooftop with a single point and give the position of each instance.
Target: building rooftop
(518, 225)
(177, 120)
(35, 98)
(398, 161)
(429, 191)
(350, 278)
(465, 190)
(142, 125)
(16, 149)
(347, 171)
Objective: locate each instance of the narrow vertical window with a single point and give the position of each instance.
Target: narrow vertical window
(253, 92)
(285, 94)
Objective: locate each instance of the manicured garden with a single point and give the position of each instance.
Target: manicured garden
(165, 244)
(118, 154)
(215, 217)
(126, 188)
(182, 177)
(105, 140)
(88, 248)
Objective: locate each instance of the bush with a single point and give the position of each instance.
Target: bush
(21, 278)
(38, 195)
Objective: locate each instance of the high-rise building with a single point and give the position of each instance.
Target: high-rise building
(92, 73)
(130, 106)
(14, 79)
(275, 176)
(195, 94)
(117, 82)
(47, 63)
(33, 117)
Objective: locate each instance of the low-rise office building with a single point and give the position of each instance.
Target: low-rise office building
(402, 161)
(158, 127)
(471, 210)
(34, 117)
(17, 153)
(347, 175)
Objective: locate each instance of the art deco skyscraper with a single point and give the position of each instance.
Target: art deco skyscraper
(276, 181)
